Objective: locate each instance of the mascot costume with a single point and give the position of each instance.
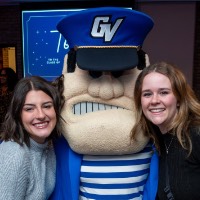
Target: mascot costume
(95, 158)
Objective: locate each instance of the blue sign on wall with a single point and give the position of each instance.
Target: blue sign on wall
(44, 47)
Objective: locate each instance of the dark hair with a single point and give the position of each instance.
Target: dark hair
(11, 77)
(12, 128)
(188, 111)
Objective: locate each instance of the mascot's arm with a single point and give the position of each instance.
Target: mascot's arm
(150, 188)
(62, 188)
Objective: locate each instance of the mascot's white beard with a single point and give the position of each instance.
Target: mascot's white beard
(102, 132)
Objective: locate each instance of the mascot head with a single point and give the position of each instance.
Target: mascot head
(99, 75)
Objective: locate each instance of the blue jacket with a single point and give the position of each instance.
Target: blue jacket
(68, 174)
(150, 188)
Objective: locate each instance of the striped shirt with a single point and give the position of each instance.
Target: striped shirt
(115, 177)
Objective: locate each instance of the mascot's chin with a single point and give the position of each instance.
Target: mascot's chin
(97, 136)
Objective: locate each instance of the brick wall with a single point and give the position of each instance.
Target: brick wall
(10, 32)
(196, 67)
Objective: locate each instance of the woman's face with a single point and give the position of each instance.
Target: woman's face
(159, 103)
(3, 77)
(38, 115)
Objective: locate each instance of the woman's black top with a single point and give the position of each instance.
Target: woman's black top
(183, 171)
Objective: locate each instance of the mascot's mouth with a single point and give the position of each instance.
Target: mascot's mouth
(87, 107)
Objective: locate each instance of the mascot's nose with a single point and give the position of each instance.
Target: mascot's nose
(106, 87)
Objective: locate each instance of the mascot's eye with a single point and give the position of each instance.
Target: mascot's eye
(95, 74)
(117, 74)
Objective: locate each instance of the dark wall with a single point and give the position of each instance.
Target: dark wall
(172, 38)
(176, 36)
(196, 68)
(10, 32)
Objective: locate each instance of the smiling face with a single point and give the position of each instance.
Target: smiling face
(38, 115)
(159, 103)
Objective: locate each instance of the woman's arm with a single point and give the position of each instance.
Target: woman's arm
(13, 171)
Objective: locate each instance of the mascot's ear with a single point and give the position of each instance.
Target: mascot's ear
(143, 60)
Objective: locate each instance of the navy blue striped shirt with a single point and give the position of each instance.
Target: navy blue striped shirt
(115, 177)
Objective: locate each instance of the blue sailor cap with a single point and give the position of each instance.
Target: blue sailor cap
(106, 38)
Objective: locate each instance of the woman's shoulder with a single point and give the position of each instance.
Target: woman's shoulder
(195, 139)
(11, 149)
(195, 135)
(195, 132)
(10, 143)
